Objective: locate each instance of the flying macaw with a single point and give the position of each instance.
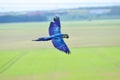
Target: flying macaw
(56, 36)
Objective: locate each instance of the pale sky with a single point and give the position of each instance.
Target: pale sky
(26, 5)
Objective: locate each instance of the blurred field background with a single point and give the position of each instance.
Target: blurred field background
(94, 45)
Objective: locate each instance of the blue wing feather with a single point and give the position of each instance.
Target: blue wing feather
(54, 28)
(60, 44)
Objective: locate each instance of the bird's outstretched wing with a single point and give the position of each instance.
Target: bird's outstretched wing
(60, 45)
(55, 27)
(58, 42)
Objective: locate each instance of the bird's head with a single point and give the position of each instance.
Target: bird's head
(56, 18)
(65, 36)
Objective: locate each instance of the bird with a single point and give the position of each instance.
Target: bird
(56, 36)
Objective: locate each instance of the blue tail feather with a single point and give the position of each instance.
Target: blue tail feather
(43, 39)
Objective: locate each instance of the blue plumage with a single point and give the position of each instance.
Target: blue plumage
(56, 36)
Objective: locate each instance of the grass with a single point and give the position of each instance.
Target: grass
(95, 48)
(101, 63)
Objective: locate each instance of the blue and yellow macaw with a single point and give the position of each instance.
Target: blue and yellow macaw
(56, 36)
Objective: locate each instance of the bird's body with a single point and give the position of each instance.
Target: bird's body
(56, 36)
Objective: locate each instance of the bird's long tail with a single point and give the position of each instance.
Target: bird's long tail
(43, 39)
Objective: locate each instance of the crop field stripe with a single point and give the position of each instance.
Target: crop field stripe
(11, 62)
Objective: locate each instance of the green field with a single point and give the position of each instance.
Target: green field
(94, 45)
